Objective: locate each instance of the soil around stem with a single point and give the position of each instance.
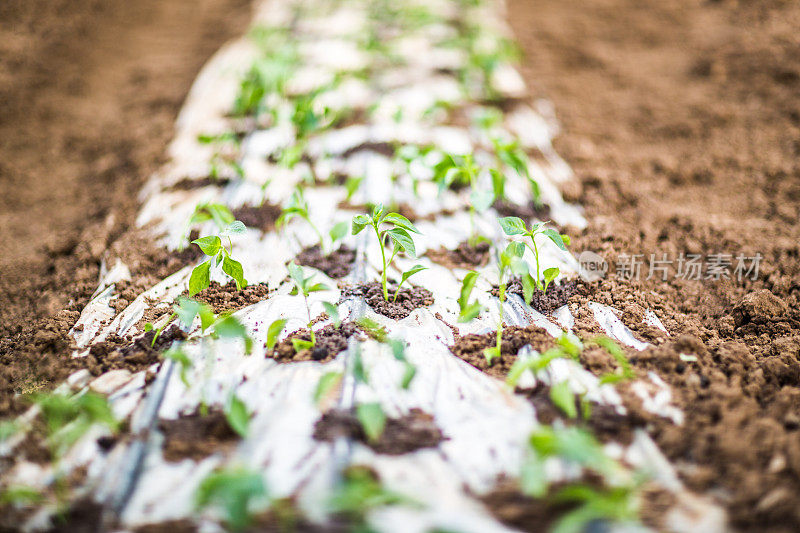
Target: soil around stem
(681, 122)
(408, 299)
(227, 298)
(196, 436)
(557, 295)
(137, 355)
(412, 431)
(464, 255)
(336, 264)
(329, 341)
(470, 347)
(261, 217)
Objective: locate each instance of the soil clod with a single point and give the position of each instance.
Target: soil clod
(336, 264)
(408, 299)
(464, 255)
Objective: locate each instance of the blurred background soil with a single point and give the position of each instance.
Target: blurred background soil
(89, 92)
(681, 119)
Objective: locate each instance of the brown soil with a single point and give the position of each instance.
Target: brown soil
(410, 432)
(189, 184)
(336, 264)
(470, 347)
(329, 342)
(555, 297)
(463, 256)
(262, 216)
(408, 299)
(89, 92)
(196, 436)
(511, 507)
(119, 353)
(681, 120)
(525, 212)
(227, 298)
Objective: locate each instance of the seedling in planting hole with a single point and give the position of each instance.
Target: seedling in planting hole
(238, 492)
(327, 383)
(213, 247)
(510, 153)
(616, 351)
(238, 416)
(400, 234)
(462, 169)
(468, 310)
(298, 207)
(359, 492)
(508, 258)
(568, 348)
(516, 226)
(68, 417)
(304, 286)
(226, 147)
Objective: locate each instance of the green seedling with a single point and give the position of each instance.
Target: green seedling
(303, 285)
(351, 186)
(269, 73)
(516, 226)
(468, 310)
(511, 154)
(210, 211)
(239, 493)
(178, 355)
(616, 351)
(373, 329)
(238, 416)
(508, 259)
(68, 417)
(612, 504)
(274, 331)
(568, 347)
(409, 370)
(400, 235)
(461, 170)
(372, 420)
(562, 397)
(223, 325)
(213, 247)
(327, 383)
(298, 207)
(359, 492)
(225, 157)
(20, 496)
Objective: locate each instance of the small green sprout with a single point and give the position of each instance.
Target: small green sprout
(238, 416)
(223, 325)
(351, 186)
(359, 492)
(68, 417)
(219, 213)
(614, 349)
(328, 382)
(562, 397)
(400, 235)
(237, 491)
(454, 170)
(298, 207)
(226, 148)
(511, 256)
(399, 351)
(213, 247)
(274, 331)
(468, 310)
(373, 329)
(372, 420)
(304, 286)
(516, 226)
(178, 355)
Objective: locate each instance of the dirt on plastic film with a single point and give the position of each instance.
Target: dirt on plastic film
(89, 92)
(329, 341)
(228, 298)
(410, 432)
(196, 435)
(681, 121)
(408, 299)
(465, 255)
(261, 217)
(557, 294)
(336, 264)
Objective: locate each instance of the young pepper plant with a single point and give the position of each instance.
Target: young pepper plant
(507, 260)
(462, 169)
(213, 247)
(298, 207)
(516, 226)
(400, 235)
(304, 286)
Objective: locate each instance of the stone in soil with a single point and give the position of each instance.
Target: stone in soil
(470, 347)
(261, 217)
(336, 264)
(136, 355)
(464, 255)
(196, 436)
(408, 299)
(410, 432)
(556, 296)
(227, 298)
(329, 342)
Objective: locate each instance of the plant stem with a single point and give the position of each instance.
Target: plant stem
(383, 257)
(310, 329)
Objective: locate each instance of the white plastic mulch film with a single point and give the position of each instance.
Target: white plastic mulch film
(402, 73)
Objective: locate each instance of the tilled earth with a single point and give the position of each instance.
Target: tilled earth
(681, 120)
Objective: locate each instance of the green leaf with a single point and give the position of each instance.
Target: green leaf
(409, 372)
(562, 397)
(339, 231)
(234, 269)
(491, 354)
(555, 237)
(372, 328)
(470, 312)
(300, 345)
(359, 223)
(209, 245)
(230, 327)
(411, 271)
(550, 274)
(237, 416)
(333, 312)
(401, 221)
(466, 288)
(372, 419)
(179, 357)
(274, 331)
(352, 185)
(317, 287)
(326, 384)
(296, 273)
(513, 225)
(20, 495)
(528, 286)
(236, 227)
(200, 278)
(498, 184)
(533, 479)
(236, 491)
(402, 241)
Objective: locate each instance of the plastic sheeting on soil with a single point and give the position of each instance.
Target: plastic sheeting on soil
(485, 424)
